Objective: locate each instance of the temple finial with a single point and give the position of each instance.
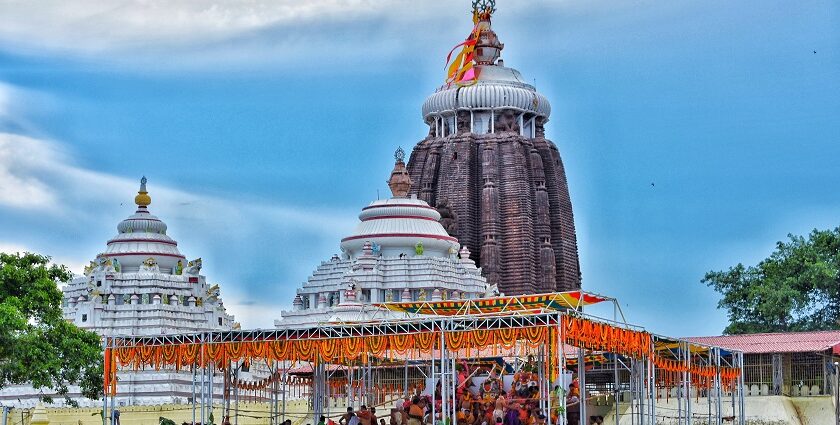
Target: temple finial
(482, 9)
(482, 47)
(400, 181)
(142, 199)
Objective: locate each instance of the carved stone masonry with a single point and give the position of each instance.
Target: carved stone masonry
(509, 200)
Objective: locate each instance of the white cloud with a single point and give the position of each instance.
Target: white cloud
(11, 247)
(247, 246)
(21, 159)
(235, 237)
(154, 35)
(267, 30)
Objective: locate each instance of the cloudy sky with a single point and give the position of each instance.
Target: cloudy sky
(264, 127)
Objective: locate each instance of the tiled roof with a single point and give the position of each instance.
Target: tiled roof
(790, 342)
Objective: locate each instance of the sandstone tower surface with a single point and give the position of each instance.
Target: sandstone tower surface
(498, 182)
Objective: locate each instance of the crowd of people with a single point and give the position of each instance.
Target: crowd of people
(489, 403)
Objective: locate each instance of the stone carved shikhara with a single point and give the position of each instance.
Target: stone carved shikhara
(487, 166)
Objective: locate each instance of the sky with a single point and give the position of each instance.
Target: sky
(695, 134)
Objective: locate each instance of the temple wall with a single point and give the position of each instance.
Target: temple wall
(492, 182)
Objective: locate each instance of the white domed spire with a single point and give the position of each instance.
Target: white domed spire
(400, 226)
(142, 236)
(483, 84)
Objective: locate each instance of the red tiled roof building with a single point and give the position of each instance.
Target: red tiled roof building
(798, 364)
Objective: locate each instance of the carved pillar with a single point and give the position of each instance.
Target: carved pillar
(540, 127)
(463, 122)
(490, 214)
(542, 226)
(427, 191)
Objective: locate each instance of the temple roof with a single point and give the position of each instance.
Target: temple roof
(483, 82)
(142, 236)
(400, 225)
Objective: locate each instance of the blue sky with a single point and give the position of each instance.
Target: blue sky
(264, 127)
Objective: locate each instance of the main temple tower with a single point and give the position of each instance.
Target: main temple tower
(488, 168)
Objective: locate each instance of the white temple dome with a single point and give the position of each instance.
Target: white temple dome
(498, 87)
(142, 236)
(396, 226)
(399, 251)
(401, 225)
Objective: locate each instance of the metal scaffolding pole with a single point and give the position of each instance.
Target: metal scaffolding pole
(284, 387)
(405, 380)
(272, 405)
(317, 393)
(836, 391)
(718, 392)
(638, 367)
(632, 391)
(349, 375)
(734, 388)
(454, 393)
(651, 383)
(688, 386)
(210, 374)
(113, 404)
(616, 386)
(561, 364)
(434, 382)
(547, 363)
(679, 388)
(541, 378)
(236, 394)
(582, 384)
(741, 412)
(709, 393)
(444, 403)
(202, 382)
(105, 393)
(615, 368)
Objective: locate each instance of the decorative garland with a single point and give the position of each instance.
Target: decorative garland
(330, 350)
(577, 331)
(593, 335)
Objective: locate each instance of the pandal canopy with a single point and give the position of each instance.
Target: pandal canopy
(557, 301)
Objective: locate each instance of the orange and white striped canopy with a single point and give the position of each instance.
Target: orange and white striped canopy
(540, 302)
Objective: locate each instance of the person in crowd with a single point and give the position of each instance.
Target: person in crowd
(397, 416)
(573, 403)
(512, 415)
(364, 416)
(417, 411)
(349, 418)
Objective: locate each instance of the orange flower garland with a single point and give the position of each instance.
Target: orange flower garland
(401, 342)
(457, 340)
(599, 336)
(377, 344)
(425, 340)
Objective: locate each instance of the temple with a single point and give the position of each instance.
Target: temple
(487, 164)
(140, 285)
(399, 251)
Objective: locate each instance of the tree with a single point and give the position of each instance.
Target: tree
(797, 288)
(37, 345)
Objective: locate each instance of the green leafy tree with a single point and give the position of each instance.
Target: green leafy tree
(37, 345)
(797, 288)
